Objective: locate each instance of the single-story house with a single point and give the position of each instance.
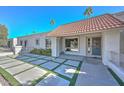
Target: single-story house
(101, 36)
(30, 42)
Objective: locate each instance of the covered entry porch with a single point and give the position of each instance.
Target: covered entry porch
(89, 45)
(107, 45)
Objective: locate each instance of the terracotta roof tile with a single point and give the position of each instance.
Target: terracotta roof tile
(95, 24)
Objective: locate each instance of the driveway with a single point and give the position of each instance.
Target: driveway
(5, 52)
(31, 69)
(94, 73)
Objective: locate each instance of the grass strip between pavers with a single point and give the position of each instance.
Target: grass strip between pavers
(34, 82)
(120, 82)
(64, 64)
(74, 78)
(9, 77)
(23, 71)
(70, 65)
(14, 66)
(44, 58)
(35, 57)
(21, 59)
(51, 71)
(6, 62)
(59, 65)
(31, 60)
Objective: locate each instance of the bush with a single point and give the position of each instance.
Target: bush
(46, 52)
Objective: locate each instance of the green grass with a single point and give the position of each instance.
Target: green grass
(34, 82)
(72, 81)
(74, 78)
(9, 77)
(120, 82)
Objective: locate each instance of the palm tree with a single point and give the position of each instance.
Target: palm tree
(52, 22)
(88, 11)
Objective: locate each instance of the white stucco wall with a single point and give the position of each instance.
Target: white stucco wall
(111, 42)
(13, 42)
(31, 40)
(82, 43)
(122, 42)
(58, 46)
(55, 46)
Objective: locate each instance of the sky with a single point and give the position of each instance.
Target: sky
(24, 20)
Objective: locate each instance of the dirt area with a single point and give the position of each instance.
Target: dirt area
(3, 82)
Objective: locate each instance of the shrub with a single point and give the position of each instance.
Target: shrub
(46, 52)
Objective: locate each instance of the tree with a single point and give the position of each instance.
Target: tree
(52, 22)
(3, 35)
(88, 11)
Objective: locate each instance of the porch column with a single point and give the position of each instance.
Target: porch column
(111, 47)
(55, 46)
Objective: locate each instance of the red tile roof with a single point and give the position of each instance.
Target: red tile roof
(95, 24)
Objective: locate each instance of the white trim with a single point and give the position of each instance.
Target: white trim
(91, 36)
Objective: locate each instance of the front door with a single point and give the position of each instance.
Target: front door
(94, 46)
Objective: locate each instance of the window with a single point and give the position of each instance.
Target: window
(25, 43)
(71, 44)
(89, 45)
(9, 44)
(21, 43)
(37, 42)
(48, 43)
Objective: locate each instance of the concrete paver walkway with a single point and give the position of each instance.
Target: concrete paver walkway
(53, 80)
(30, 75)
(60, 71)
(19, 68)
